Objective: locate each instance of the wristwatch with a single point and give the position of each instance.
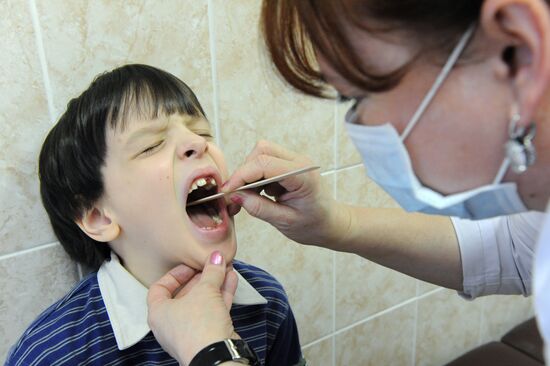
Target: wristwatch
(235, 350)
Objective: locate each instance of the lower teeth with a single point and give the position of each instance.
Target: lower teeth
(217, 220)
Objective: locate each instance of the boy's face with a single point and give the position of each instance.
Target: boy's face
(151, 168)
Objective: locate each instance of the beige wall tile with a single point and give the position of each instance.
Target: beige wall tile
(24, 121)
(83, 39)
(30, 283)
(305, 272)
(320, 354)
(424, 287)
(384, 340)
(347, 153)
(253, 103)
(503, 312)
(355, 187)
(362, 287)
(447, 326)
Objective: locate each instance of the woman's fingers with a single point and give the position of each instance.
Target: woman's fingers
(229, 287)
(168, 284)
(214, 271)
(188, 286)
(198, 315)
(233, 209)
(264, 209)
(261, 167)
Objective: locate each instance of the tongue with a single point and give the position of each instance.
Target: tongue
(201, 216)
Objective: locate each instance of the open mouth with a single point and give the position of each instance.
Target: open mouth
(206, 216)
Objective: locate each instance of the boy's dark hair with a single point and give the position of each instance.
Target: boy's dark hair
(74, 151)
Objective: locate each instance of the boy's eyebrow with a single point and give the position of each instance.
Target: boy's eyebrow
(156, 128)
(146, 131)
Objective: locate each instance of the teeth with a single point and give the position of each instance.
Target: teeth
(216, 219)
(201, 182)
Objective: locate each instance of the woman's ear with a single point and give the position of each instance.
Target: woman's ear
(523, 27)
(99, 224)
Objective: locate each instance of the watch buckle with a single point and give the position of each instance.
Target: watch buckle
(234, 352)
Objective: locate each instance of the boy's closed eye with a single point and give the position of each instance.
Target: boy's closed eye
(151, 148)
(207, 135)
(155, 146)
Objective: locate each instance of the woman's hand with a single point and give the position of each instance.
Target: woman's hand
(186, 321)
(304, 209)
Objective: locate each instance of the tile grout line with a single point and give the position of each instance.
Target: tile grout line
(374, 316)
(341, 169)
(333, 307)
(42, 58)
(481, 320)
(415, 330)
(413, 356)
(27, 251)
(214, 71)
(336, 157)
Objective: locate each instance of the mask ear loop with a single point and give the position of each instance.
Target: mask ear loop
(451, 61)
(520, 151)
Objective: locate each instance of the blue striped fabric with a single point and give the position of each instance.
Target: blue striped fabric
(76, 330)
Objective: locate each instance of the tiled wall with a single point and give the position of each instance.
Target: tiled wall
(349, 311)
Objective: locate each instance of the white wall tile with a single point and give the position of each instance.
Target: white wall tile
(24, 120)
(30, 283)
(383, 340)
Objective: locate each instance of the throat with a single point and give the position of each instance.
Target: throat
(144, 265)
(206, 216)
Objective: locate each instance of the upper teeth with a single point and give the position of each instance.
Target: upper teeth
(201, 182)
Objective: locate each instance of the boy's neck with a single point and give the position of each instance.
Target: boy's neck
(145, 269)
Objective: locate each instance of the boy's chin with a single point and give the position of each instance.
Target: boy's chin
(228, 251)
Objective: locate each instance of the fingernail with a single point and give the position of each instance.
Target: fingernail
(224, 185)
(216, 258)
(236, 199)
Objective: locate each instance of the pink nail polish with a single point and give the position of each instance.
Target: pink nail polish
(236, 199)
(216, 258)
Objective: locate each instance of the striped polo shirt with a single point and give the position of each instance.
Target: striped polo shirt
(103, 321)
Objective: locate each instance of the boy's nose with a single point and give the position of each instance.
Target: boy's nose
(192, 149)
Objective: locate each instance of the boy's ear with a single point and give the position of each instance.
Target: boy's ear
(99, 224)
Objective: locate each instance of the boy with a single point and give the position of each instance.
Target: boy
(116, 173)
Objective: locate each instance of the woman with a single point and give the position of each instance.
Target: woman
(471, 80)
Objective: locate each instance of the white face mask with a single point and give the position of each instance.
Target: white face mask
(389, 165)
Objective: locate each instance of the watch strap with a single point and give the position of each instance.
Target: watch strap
(235, 350)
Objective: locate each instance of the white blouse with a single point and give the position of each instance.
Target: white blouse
(503, 255)
(498, 253)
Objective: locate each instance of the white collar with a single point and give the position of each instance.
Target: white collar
(125, 299)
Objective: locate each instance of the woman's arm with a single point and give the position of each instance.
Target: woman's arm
(422, 246)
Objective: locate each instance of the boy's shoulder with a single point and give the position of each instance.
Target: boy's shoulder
(273, 322)
(267, 285)
(61, 326)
